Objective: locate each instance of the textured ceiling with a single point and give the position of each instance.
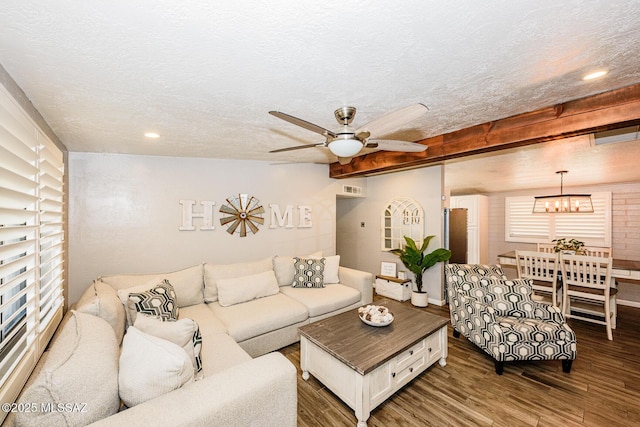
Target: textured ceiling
(204, 74)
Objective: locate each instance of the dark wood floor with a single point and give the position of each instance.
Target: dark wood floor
(603, 388)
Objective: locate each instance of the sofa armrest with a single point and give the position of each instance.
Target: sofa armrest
(361, 281)
(259, 392)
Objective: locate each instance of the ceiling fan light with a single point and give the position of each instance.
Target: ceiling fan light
(345, 147)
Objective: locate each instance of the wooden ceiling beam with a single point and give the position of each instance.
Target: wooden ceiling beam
(606, 111)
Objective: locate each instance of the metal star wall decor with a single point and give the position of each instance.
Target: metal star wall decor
(242, 212)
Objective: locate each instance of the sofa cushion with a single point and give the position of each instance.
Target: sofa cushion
(159, 300)
(81, 367)
(220, 352)
(188, 283)
(510, 297)
(309, 272)
(285, 270)
(183, 332)
(259, 316)
(207, 321)
(321, 301)
(241, 289)
(102, 300)
(215, 272)
(150, 367)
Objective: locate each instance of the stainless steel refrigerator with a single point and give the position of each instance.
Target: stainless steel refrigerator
(455, 234)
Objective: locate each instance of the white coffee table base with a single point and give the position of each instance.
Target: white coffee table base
(363, 393)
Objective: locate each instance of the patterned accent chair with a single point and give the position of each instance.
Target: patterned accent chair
(500, 317)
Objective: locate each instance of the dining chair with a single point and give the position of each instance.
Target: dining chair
(587, 285)
(598, 251)
(546, 247)
(542, 268)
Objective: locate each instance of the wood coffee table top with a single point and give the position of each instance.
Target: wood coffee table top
(363, 347)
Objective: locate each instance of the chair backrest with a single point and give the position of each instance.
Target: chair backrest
(546, 247)
(586, 271)
(457, 274)
(542, 266)
(598, 251)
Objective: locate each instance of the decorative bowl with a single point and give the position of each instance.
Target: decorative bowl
(375, 315)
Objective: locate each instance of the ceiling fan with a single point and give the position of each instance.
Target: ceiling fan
(347, 142)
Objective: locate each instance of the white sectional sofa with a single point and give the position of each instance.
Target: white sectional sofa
(243, 313)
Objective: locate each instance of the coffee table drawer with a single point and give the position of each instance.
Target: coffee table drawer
(433, 345)
(410, 355)
(403, 376)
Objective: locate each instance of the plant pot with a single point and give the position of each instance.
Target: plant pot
(419, 299)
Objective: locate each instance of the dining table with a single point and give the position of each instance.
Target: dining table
(623, 269)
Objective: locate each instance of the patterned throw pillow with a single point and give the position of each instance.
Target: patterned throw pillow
(309, 273)
(510, 297)
(159, 301)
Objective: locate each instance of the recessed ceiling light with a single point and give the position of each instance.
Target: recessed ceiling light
(594, 75)
(152, 135)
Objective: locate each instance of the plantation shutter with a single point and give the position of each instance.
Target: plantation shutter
(594, 229)
(31, 245)
(18, 238)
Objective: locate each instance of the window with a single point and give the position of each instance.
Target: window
(592, 228)
(31, 244)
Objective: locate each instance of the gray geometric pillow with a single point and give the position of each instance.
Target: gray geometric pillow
(510, 297)
(309, 273)
(159, 301)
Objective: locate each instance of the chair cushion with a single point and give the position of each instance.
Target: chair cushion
(519, 329)
(510, 297)
(472, 273)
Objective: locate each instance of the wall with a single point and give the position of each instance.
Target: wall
(625, 227)
(125, 213)
(360, 247)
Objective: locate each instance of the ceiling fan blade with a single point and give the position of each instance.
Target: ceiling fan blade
(297, 147)
(303, 123)
(392, 121)
(344, 160)
(393, 145)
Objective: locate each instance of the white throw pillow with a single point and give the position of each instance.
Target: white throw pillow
(331, 267)
(183, 332)
(150, 367)
(246, 288)
(215, 272)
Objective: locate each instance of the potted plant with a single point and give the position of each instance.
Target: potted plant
(569, 246)
(417, 261)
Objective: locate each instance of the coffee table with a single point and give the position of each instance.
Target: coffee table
(364, 365)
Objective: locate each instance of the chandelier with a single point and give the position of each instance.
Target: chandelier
(563, 203)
